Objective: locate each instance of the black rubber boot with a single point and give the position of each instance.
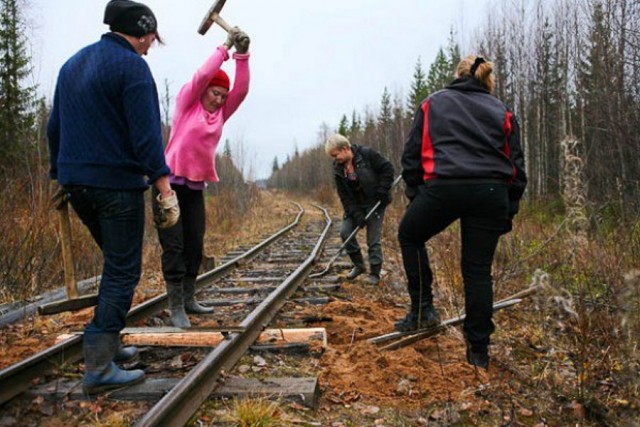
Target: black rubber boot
(175, 294)
(358, 265)
(100, 373)
(478, 355)
(424, 317)
(374, 274)
(191, 306)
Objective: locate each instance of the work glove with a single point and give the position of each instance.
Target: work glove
(241, 42)
(168, 211)
(411, 192)
(384, 197)
(61, 198)
(514, 207)
(359, 218)
(231, 37)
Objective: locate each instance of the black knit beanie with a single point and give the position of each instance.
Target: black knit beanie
(129, 17)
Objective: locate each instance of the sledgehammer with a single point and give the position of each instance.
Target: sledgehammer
(214, 16)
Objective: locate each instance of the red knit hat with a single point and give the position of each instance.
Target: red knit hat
(220, 78)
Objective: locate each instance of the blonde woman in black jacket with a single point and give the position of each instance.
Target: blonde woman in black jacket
(462, 161)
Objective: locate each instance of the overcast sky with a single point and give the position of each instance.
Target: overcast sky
(311, 60)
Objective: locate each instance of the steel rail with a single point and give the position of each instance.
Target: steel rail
(186, 397)
(16, 379)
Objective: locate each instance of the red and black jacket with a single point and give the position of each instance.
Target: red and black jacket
(464, 132)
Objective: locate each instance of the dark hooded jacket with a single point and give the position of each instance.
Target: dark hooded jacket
(464, 133)
(375, 177)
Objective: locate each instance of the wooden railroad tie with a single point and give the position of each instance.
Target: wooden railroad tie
(210, 337)
(304, 391)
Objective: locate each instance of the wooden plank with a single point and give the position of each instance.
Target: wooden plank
(152, 389)
(258, 300)
(186, 338)
(68, 305)
(265, 289)
(300, 390)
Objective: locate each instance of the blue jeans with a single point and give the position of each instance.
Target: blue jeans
(115, 219)
(374, 234)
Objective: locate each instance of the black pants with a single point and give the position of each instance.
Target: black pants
(482, 209)
(182, 244)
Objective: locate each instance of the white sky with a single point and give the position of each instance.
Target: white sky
(312, 60)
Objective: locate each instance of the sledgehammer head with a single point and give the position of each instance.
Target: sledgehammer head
(213, 15)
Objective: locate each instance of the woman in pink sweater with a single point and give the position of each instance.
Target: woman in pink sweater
(203, 105)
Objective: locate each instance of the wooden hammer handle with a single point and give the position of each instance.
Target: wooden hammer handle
(67, 254)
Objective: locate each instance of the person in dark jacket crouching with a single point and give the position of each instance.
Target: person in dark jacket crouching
(363, 178)
(462, 161)
(105, 138)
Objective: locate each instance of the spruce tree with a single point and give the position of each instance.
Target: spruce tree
(17, 114)
(419, 89)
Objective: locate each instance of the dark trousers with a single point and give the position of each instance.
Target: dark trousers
(374, 235)
(483, 213)
(182, 244)
(116, 222)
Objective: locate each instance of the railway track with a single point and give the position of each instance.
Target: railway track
(261, 281)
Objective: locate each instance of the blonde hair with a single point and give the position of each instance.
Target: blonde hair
(483, 72)
(336, 141)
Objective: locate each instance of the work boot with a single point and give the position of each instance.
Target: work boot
(100, 373)
(374, 274)
(477, 355)
(358, 265)
(190, 304)
(126, 354)
(175, 294)
(428, 318)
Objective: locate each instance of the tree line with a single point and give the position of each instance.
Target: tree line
(568, 68)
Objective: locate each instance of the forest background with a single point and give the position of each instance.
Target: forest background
(568, 68)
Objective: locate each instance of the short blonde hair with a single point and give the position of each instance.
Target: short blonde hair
(336, 141)
(483, 73)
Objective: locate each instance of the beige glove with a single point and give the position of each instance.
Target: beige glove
(168, 211)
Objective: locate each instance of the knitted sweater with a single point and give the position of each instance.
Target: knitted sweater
(104, 129)
(191, 151)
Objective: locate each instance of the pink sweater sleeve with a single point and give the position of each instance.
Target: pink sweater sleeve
(193, 90)
(240, 85)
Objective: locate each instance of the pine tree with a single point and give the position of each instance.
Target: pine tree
(227, 148)
(439, 73)
(17, 113)
(275, 167)
(343, 128)
(419, 89)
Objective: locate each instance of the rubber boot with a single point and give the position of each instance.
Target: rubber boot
(421, 318)
(358, 265)
(374, 274)
(126, 354)
(191, 306)
(100, 373)
(175, 294)
(477, 355)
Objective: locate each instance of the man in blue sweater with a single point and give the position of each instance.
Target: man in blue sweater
(104, 139)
